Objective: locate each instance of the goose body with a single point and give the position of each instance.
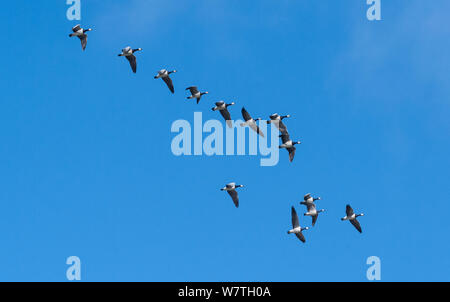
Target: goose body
(313, 212)
(80, 32)
(277, 120)
(308, 199)
(164, 74)
(231, 189)
(288, 144)
(296, 228)
(195, 93)
(351, 216)
(221, 106)
(249, 121)
(128, 53)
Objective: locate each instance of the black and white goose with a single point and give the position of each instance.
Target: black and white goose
(128, 53)
(195, 93)
(352, 217)
(80, 33)
(313, 212)
(277, 120)
(288, 144)
(249, 121)
(164, 74)
(308, 199)
(222, 107)
(231, 189)
(296, 228)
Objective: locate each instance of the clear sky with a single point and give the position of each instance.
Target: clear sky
(87, 169)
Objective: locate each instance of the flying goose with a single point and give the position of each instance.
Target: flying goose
(352, 217)
(231, 189)
(249, 121)
(164, 74)
(195, 94)
(296, 228)
(80, 33)
(313, 212)
(308, 199)
(288, 144)
(278, 121)
(128, 53)
(222, 107)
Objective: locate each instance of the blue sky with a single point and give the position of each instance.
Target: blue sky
(87, 170)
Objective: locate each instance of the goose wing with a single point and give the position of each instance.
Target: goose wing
(76, 28)
(349, 210)
(310, 207)
(294, 216)
(234, 196)
(356, 225)
(169, 83)
(132, 59)
(301, 237)
(282, 127)
(83, 39)
(285, 137)
(291, 151)
(193, 89)
(256, 129)
(245, 114)
(314, 219)
(226, 115)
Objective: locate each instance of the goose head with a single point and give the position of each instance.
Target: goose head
(296, 143)
(305, 228)
(239, 186)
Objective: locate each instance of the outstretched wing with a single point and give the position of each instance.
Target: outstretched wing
(76, 28)
(282, 127)
(193, 89)
(256, 129)
(285, 137)
(226, 115)
(169, 83)
(314, 219)
(356, 225)
(234, 196)
(349, 210)
(301, 237)
(132, 59)
(291, 151)
(245, 114)
(83, 39)
(294, 216)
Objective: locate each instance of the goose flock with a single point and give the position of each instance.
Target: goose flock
(222, 107)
